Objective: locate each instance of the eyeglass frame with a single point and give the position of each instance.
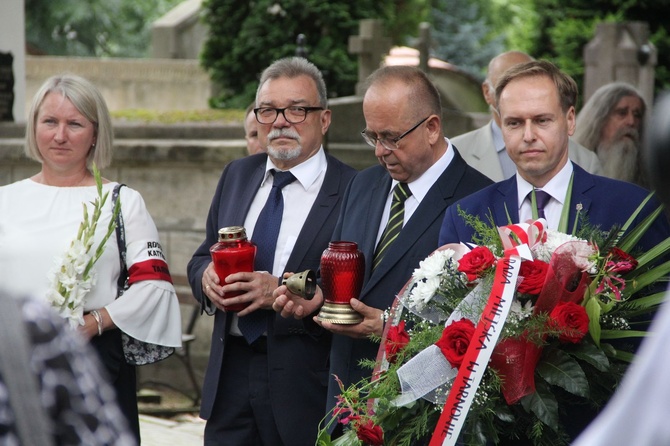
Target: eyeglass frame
(373, 142)
(282, 110)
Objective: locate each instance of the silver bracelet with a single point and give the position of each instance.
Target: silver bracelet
(98, 318)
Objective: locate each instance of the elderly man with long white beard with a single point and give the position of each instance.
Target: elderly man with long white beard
(611, 124)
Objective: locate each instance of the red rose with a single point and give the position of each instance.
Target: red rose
(370, 433)
(620, 261)
(572, 320)
(476, 262)
(455, 341)
(396, 339)
(534, 273)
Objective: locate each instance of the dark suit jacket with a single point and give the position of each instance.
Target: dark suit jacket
(604, 201)
(359, 222)
(297, 350)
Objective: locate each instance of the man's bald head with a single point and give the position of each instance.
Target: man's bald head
(497, 67)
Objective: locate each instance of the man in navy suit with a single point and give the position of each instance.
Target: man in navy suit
(249, 396)
(536, 102)
(403, 123)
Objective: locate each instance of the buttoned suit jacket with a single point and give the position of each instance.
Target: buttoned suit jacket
(478, 150)
(297, 350)
(359, 222)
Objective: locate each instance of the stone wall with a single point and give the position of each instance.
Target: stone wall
(153, 84)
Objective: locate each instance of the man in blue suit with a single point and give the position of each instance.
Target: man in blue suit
(536, 102)
(249, 396)
(403, 123)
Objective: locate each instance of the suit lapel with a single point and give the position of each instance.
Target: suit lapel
(247, 194)
(582, 182)
(506, 203)
(432, 207)
(316, 219)
(370, 230)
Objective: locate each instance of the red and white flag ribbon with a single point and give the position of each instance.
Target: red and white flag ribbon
(516, 241)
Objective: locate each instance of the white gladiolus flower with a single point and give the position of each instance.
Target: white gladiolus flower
(73, 275)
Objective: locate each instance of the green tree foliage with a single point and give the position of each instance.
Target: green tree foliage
(245, 37)
(463, 34)
(102, 28)
(568, 25)
(517, 20)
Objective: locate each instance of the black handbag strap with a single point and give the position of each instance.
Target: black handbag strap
(32, 423)
(121, 241)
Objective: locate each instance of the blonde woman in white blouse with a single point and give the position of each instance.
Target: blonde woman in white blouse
(69, 129)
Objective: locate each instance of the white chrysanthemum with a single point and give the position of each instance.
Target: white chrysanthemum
(543, 251)
(433, 265)
(423, 292)
(583, 254)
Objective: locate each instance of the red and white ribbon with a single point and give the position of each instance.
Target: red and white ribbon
(517, 241)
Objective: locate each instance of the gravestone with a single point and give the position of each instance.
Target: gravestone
(6, 87)
(620, 52)
(180, 33)
(371, 46)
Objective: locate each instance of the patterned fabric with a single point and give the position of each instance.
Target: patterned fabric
(135, 351)
(401, 193)
(76, 397)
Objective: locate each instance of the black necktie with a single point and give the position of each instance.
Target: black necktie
(541, 199)
(265, 236)
(401, 193)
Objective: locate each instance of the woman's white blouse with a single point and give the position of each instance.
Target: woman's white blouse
(37, 224)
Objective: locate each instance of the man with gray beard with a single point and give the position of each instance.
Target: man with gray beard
(611, 124)
(288, 200)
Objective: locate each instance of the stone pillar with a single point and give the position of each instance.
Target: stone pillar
(371, 46)
(620, 52)
(179, 34)
(13, 43)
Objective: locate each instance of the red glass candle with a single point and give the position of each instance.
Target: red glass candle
(232, 254)
(342, 269)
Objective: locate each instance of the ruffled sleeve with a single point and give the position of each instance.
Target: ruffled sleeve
(148, 310)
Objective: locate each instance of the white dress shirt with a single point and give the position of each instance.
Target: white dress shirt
(299, 196)
(419, 188)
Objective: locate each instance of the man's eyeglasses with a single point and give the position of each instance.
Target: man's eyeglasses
(294, 115)
(389, 143)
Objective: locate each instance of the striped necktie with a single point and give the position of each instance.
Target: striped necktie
(401, 193)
